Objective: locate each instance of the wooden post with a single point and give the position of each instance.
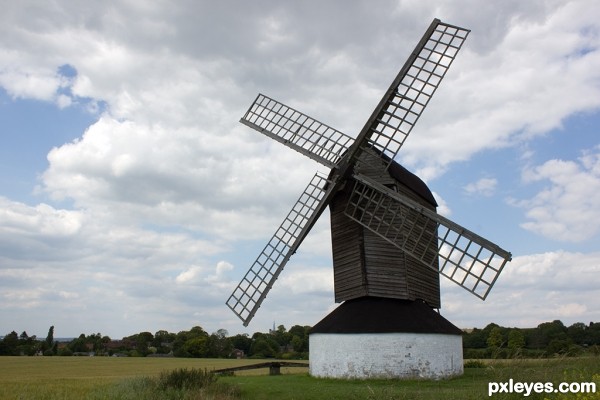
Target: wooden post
(275, 369)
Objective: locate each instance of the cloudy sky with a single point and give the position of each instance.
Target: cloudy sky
(132, 199)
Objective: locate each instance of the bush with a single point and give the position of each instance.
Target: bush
(474, 364)
(294, 355)
(476, 353)
(183, 378)
(66, 352)
(163, 388)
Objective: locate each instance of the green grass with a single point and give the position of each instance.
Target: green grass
(81, 377)
(472, 385)
(139, 378)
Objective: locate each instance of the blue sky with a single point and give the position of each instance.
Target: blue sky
(30, 128)
(131, 198)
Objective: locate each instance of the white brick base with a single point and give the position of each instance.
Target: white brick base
(385, 355)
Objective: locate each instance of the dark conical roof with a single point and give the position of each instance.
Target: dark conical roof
(412, 181)
(405, 177)
(384, 315)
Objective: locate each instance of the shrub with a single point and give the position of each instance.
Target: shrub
(474, 364)
(476, 353)
(65, 352)
(183, 378)
(179, 384)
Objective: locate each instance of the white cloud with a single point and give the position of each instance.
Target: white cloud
(182, 176)
(571, 310)
(443, 208)
(542, 70)
(43, 220)
(188, 275)
(223, 267)
(221, 277)
(566, 209)
(531, 289)
(166, 185)
(39, 85)
(484, 187)
(307, 281)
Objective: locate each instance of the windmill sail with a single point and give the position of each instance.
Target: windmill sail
(294, 129)
(464, 257)
(410, 92)
(254, 286)
(435, 242)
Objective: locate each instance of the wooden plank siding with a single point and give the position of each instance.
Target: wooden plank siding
(366, 264)
(348, 252)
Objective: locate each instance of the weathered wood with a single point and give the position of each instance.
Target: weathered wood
(274, 367)
(366, 264)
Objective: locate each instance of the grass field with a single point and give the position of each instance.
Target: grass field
(78, 377)
(101, 378)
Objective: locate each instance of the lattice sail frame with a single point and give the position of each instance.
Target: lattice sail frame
(409, 94)
(294, 129)
(391, 121)
(385, 131)
(254, 286)
(465, 258)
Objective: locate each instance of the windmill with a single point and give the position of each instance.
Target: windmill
(389, 244)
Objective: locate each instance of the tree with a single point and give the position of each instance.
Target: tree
(550, 331)
(558, 346)
(495, 339)
(578, 333)
(593, 333)
(219, 345)
(198, 331)
(196, 347)
(241, 342)
(281, 336)
(179, 342)
(47, 346)
(163, 341)
(297, 344)
(263, 348)
(516, 340)
(79, 345)
(181, 346)
(10, 345)
(50, 337)
(96, 342)
(163, 337)
(476, 339)
(143, 339)
(28, 345)
(300, 332)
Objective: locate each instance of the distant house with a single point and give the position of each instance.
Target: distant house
(84, 354)
(237, 353)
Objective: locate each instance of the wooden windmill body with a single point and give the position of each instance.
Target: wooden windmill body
(364, 263)
(389, 244)
(386, 327)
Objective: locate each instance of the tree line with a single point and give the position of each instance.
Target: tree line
(545, 340)
(493, 341)
(196, 342)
